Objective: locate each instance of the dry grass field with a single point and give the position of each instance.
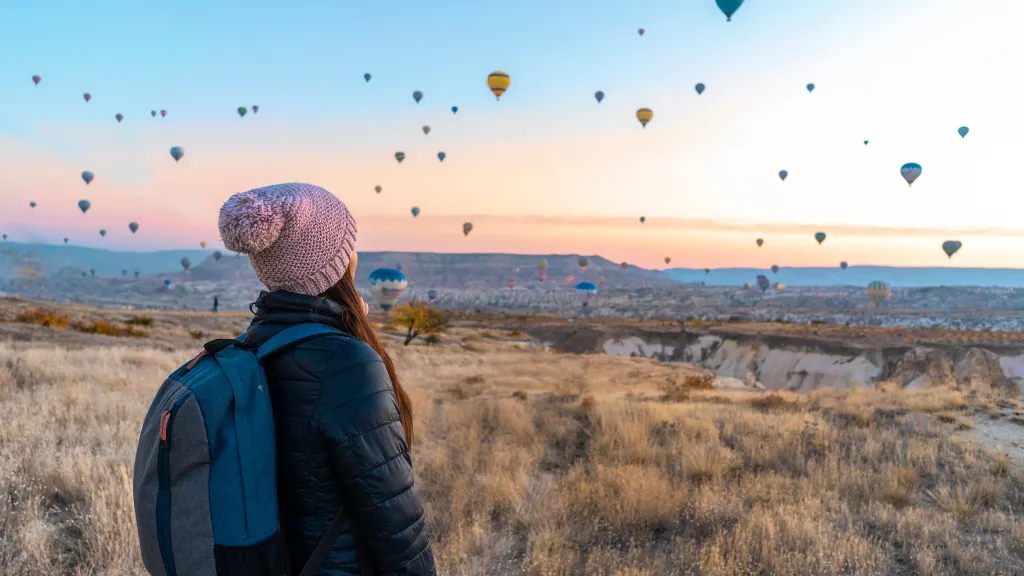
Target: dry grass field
(535, 462)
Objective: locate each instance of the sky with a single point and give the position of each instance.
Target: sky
(547, 169)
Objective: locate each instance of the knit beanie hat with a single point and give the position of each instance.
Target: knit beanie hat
(299, 237)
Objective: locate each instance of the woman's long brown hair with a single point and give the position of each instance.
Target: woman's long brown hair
(355, 323)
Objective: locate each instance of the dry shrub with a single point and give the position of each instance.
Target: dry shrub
(42, 317)
(195, 334)
(141, 321)
(771, 402)
(108, 329)
(675, 390)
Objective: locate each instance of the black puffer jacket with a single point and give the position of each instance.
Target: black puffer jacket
(339, 440)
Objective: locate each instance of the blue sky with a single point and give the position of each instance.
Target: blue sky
(903, 75)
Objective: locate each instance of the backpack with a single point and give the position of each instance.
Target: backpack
(205, 483)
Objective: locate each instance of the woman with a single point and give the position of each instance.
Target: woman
(343, 421)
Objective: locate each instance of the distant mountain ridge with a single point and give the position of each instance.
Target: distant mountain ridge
(898, 277)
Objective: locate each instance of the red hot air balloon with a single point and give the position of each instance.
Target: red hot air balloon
(37, 79)
(163, 113)
(87, 97)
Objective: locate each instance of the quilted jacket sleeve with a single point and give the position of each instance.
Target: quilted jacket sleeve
(358, 414)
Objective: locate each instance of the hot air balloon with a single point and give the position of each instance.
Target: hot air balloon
(377, 188)
(103, 233)
(640, 31)
(5, 236)
(118, 117)
(32, 204)
(415, 211)
(426, 130)
(783, 174)
(810, 88)
(163, 113)
(87, 97)
(367, 76)
(511, 282)
(37, 79)
(92, 272)
(950, 247)
(843, 265)
(963, 130)
(624, 266)
(455, 109)
(582, 261)
(746, 285)
(432, 295)
(399, 156)
(241, 111)
(84, 205)
(668, 259)
(124, 272)
(644, 115)
(707, 270)
(910, 171)
(699, 88)
(865, 142)
(570, 279)
(152, 113)
(729, 7)
(167, 282)
(599, 95)
(763, 283)
(65, 240)
(643, 219)
(417, 96)
(820, 237)
(136, 273)
(387, 286)
(878, 292)
(467, 228)
(441, 156)
(775, 268)
(133, 226)
(186, 263)
(202, 244)
(255, 109)
(177, 152)
(780, 286)
(586, 292)
(760, 242)
(542, 265)
(87, 176)
(217, 255)
(498, 82)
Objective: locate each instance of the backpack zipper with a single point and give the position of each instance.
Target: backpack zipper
(163, 495)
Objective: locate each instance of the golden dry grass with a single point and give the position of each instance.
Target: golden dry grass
(533, 462)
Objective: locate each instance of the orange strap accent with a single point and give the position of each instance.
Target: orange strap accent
(195, 360)
(164, 419)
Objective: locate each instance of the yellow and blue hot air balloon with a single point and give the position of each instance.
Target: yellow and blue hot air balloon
(644, 115)
(498, 82)
(879, 292)
(387, 286)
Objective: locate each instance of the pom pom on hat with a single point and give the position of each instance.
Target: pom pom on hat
(250, 222)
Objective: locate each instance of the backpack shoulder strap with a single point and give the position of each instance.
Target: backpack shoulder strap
(291, 336)
(323, 548)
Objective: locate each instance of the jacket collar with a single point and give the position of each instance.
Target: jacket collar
(280, 307)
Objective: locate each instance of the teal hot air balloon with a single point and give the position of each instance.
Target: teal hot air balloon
(643, 219)
(417, 96)
(241, 111)
(399, 156)
(699, 88)
(177, 152)
(760, 242)
(415, 211)
(910, 172)
(167, 282)
(455, 109)
(950, 247)
(441, 156)
(387, 286)
(963, 130)
(367, 76)
(84, 205)
(586, 291)
(88, 177)
(775, 268)
(133, 226)
(65, 239)
(783, 174)
(865, 142)
(729, 7)
(32, 204)
(763, 283)
(599, 95)
(810, 88)
(103, 233)
(820, 237)
(843, 265)
(152, 113)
